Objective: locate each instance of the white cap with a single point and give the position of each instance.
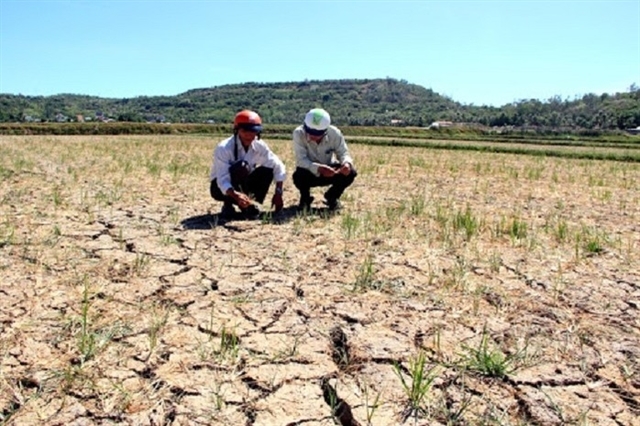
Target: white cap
(317, 121)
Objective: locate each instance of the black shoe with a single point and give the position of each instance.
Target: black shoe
(227, 211)
(305, 203)
(334, 205)
(251, 213)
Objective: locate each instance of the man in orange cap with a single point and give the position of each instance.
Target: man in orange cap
(244, 167)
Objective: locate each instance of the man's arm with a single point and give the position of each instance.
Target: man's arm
(271, 160)
(221, 168)
(301, 153)
(342, 150)
(268, 158)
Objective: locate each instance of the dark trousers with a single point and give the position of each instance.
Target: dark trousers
(254, 184)
(304, 180)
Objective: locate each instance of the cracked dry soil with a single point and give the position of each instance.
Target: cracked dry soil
(125, 301)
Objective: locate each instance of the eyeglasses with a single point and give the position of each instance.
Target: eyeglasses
(250, 128)
(314, 132)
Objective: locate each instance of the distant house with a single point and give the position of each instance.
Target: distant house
(439, 124)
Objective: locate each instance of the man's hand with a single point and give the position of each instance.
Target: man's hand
(276, 202)
(345, 169)
(243, 200)
(326, 171)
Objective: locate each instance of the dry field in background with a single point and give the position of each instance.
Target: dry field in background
(454, 288)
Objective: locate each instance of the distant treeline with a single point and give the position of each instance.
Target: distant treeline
(376, 102)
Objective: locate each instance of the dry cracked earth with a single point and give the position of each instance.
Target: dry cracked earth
(454, 288)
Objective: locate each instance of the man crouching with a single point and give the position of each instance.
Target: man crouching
(322, 159)
(244, 167)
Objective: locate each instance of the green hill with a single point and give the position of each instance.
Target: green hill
(375, 102)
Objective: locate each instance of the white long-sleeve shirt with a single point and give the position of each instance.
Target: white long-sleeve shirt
(311, 154)
(259, 154)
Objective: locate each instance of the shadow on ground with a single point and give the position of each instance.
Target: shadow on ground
(211, 220)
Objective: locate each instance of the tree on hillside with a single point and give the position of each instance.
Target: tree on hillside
(365, 102)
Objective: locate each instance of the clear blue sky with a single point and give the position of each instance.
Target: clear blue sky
(475, 52)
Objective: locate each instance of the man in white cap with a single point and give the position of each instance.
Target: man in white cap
(322, 159)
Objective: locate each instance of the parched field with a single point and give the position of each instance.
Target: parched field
(454, 288)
